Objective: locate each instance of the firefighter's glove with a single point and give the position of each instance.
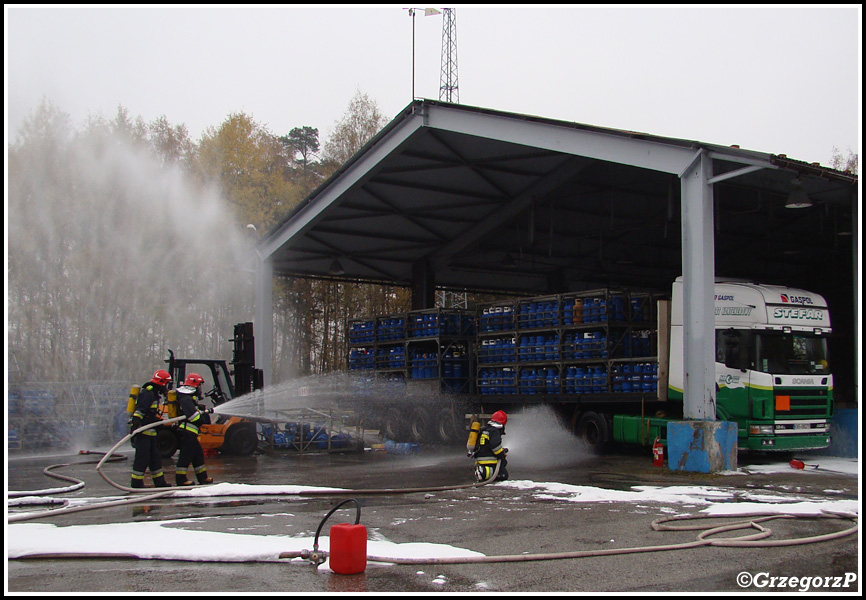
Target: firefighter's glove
(209, 410)
(136, 423)
(470, 454)
(505, 451)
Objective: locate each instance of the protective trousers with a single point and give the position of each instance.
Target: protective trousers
(147, 457)
(485, 467)
(190, 454)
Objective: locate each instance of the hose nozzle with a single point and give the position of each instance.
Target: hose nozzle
(315, 556)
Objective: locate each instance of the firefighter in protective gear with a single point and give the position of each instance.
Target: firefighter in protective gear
(489, 451)
(188, 396)
(147, 412)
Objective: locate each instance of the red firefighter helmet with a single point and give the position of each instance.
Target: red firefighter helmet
(499, 417)
(194, 380)
(161, 377)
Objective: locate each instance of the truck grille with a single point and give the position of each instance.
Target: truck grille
(804, 402)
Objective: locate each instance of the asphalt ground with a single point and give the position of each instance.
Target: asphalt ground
(495, 520)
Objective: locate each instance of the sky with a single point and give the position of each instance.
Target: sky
(168, 540)
(779, 79)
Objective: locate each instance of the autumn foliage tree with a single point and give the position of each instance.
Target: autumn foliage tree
(247, 162)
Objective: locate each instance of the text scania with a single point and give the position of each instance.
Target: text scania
(806, 314)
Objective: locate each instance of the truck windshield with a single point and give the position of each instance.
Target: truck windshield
(791, 353)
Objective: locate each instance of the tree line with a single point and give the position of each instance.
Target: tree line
(127, 239)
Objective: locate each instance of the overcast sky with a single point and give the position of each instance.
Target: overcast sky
(779, 79)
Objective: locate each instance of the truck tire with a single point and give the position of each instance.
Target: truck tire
(420, 429)
(241, 440)
(593, 430)
(394, 426)
(446, 427)
(167, 442)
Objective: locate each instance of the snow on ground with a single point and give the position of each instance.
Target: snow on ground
(847, 466)
(168, 540)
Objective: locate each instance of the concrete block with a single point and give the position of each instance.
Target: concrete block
(702, 446)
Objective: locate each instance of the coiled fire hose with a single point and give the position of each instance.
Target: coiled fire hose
(154, 495)
(108, 455)
(703, 539)
(37, 497)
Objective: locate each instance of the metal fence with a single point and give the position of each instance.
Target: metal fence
(63, 416)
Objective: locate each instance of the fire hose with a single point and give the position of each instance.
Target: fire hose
(164, 493)
(49, 471)
(705, 538)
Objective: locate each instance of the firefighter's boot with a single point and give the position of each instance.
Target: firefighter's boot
(160, 482)
(137, 482)
(203, 478)
(181, 480)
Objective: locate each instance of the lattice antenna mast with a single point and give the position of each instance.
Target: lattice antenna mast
(448, 90)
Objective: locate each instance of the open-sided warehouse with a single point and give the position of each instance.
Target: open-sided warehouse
(464, 198)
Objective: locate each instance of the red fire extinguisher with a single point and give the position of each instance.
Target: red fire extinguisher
(658, 454)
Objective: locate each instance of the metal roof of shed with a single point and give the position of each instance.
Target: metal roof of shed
(490, 200)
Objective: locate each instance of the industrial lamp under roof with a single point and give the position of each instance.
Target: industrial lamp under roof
(798, 197)
(336, 268)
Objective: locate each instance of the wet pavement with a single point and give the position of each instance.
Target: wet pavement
(496, 520)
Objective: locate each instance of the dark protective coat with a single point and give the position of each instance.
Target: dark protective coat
(490, 451)
(190, 449)
(146, 451)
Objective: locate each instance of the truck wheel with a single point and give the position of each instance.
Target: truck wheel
(446, 427)
(166, 442)
(393, 426)
(419, 426)
(241, 441)
(592, 429)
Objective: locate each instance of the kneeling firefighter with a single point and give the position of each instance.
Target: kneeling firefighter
(489, 451)
(188, 396)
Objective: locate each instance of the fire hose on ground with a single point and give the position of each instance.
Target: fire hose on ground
(169, 492)
(705, 538)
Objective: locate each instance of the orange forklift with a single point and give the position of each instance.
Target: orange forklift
(227, 434)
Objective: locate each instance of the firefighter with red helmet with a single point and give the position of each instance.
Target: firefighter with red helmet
(188, 397)
(147, 412)
(489, 450)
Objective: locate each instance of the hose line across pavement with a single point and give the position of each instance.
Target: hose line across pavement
(705, 537)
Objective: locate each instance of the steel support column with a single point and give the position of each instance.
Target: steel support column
(699, 395)
(264, 318)
(423, 286)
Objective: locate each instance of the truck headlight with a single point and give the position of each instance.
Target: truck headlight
(760, 430)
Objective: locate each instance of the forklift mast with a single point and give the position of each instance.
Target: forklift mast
(247, 377)
(243, 379)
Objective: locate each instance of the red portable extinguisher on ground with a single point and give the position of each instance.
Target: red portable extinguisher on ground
(658, 454)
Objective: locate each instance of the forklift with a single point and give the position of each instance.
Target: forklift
(226, 434)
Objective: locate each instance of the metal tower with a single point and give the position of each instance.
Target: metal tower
(448, 81)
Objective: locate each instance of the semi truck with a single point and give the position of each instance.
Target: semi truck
(610, 361)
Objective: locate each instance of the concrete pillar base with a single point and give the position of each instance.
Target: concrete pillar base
(702, 446)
